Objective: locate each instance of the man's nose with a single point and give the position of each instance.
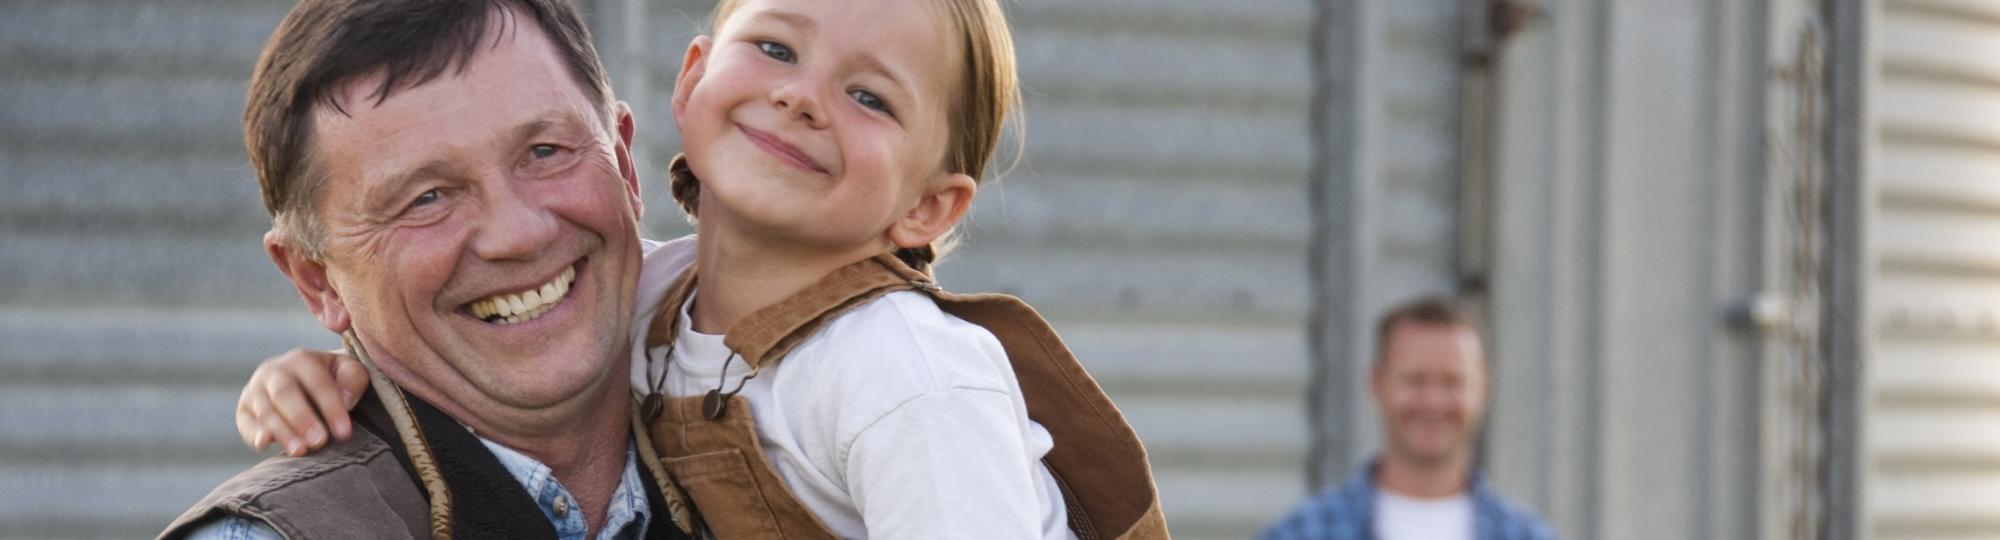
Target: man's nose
(1440, 397)
(514, 226)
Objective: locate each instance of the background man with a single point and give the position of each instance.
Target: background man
(1429, 384)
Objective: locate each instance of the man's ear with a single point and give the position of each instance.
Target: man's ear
(627, 167)
(692, 67)
(936, 212)
(309, 276)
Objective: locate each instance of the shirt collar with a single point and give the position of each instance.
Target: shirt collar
(627, 518)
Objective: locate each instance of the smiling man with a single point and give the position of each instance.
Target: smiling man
(1429, 384)
(452, 189)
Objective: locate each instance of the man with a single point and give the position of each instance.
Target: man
(424, 163)
(1429, 383)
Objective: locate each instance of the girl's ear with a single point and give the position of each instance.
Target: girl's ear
(309, 276)
(936, 212)
(691, 70)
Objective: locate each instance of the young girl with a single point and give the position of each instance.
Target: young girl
(807, 378)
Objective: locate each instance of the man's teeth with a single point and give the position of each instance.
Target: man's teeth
(527, 305)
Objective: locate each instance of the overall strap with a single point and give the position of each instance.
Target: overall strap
(667, 317)
(764, 336)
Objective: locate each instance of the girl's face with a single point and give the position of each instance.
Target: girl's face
(819, 125)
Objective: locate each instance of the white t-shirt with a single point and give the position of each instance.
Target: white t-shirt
(894, 420)
(1404, 518)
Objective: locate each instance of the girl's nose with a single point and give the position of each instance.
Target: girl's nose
(796, 98)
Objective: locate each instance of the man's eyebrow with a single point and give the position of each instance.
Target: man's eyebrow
(383, 196)
(561, 123)
(530, 129)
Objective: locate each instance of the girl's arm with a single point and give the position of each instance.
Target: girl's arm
(295, 399)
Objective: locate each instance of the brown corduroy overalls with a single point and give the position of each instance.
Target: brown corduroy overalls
(718, 461)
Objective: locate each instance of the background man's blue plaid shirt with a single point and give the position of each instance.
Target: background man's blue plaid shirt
(1347, 512)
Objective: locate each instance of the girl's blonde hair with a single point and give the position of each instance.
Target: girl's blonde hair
(990, 98)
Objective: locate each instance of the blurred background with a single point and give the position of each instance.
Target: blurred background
(1740, 259)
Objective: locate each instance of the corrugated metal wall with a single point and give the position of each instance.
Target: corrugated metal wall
(1157, 218)
(136, 296)
(1932, 425)
(1638, 152)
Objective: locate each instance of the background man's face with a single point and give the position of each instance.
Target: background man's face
(1431, 390)
(496, 184)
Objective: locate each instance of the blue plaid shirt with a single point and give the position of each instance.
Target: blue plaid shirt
(1347, 512)
(626, 519)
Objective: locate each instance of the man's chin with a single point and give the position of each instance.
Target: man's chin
(1428, 453)
(544, 391)
(550, 377)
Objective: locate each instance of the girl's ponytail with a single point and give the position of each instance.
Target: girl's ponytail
(917, 257)
(686, 188)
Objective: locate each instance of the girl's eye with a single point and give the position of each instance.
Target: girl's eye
(777, 52)
(427, 197)
(870, 100)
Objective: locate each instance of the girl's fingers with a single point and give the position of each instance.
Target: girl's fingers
(275, 429)
(247, 425)
(318, 394)
(294, 411)
(352, 379)
(282, 437)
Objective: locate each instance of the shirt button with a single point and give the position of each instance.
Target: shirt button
(562, 506)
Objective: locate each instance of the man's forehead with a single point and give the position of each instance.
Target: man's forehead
(1426, 340)
(517, 80)
(455, 124)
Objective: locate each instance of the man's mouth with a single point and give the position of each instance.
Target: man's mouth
(524, 306)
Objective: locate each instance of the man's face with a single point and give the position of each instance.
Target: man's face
(1431, 390)
(493, 185)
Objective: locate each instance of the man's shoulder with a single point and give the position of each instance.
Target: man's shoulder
(1507, 520)
(357, 480)
(1339, 512)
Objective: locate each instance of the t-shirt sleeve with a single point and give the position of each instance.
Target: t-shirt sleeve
(946, 464)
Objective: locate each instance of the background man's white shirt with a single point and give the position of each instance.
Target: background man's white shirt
(1404, 518)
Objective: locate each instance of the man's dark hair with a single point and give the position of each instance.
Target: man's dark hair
(324, 43)
(1427, 310)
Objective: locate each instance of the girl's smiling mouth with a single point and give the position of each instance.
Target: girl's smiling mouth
(782, 150)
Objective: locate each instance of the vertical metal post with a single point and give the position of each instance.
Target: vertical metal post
(1846, 328)
(1335, 136)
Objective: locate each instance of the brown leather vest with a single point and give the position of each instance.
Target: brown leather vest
(385, 481)
(710, 446)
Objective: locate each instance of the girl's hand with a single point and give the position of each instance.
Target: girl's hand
(295, 399)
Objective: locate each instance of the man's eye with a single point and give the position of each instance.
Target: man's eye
(541, 151)
(777, 52)
(870, 100)
(427, 197)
